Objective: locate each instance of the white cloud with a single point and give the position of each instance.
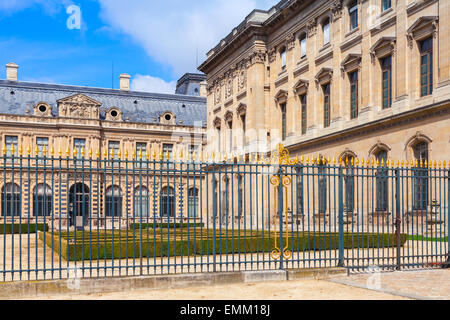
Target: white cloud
(171, 31)
(151, 84)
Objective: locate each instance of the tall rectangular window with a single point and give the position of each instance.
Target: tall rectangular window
(426, 67)
(283, 58)
(303, 46)
(244, 129)
(304, 114)
(193, 148)
(326, 105)
(386, 4)
(218, 137)
(326, 32)
(41, 144)
(283, 121)
(353, 13)
(79, 145)
(141, 147)
(230, 136)
(114, 146)
(11, 141)
(353, 94)
(168, 149)
(386, 69)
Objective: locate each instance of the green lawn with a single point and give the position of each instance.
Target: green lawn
(128, 244)
(424, 238)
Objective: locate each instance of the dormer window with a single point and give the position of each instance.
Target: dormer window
(168, 118)
(42, 109)
(114, 114)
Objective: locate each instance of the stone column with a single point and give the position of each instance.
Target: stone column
(255, 94)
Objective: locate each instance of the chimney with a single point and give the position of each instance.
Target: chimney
(124, 82)
(11, 71)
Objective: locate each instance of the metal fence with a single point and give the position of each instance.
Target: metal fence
(141, 214)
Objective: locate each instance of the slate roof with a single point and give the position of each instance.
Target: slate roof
(18, 97)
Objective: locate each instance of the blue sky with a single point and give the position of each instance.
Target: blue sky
(152, 40)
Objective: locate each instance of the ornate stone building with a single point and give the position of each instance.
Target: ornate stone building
(342, 79)
(365, 78)
(92, 123)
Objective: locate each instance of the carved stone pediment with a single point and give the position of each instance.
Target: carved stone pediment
(281, 96)
(228, 116)
(217, 122)
(301, 87)
(324, 76)
(423, 27)
(79, 106)
(351, 62)
(383, 47)
(241, 109)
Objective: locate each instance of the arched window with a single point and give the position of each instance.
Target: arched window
(326, 31)
(322, 174)
(167, 202)
(240, 196)
(11, 202)
(141, 201)
(349, 183)
(226, 201)
(113, 202)
(215, 201)
(299, 192)
(193, 203)
(382, 185)
(42, 200)
(420, 198)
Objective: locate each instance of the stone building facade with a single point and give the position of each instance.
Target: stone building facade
(342, 79)
(92, 126)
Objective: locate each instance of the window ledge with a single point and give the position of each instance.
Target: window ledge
(325, 47)
(385, 12)
(302, 60)
(353, 31)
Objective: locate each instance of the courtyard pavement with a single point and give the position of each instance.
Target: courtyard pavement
(398, 285)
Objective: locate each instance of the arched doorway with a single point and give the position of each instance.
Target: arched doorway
(42, 200)
(79, 204)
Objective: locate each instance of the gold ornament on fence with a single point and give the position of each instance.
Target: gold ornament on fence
(282, 157)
